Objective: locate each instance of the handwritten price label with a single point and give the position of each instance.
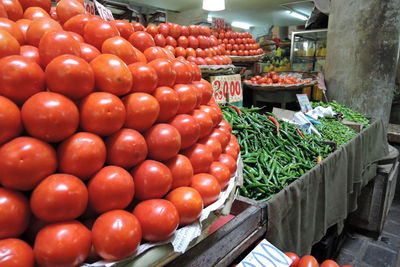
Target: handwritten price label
(227, 88)
(104, 12)
(89, 7)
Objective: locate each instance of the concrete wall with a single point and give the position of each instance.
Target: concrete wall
(363, 45)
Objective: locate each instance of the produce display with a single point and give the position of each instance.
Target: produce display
(237, 43)
(334, 130)
(310, 261)
(272, 78)
(274, 153)
(107, 140)
(194, 42)
(275, 64)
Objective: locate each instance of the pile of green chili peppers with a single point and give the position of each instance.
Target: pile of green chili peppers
(335, 131)
(273, 156)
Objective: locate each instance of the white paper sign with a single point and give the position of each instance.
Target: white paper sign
(227, 88)
(265, 255)
(89, 7)
(104, 12)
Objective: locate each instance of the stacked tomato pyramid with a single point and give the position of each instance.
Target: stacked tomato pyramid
(237, 43)
(106, 140)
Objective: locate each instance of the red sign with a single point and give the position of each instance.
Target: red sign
(89, 7)
(227, 88)
(218, 23)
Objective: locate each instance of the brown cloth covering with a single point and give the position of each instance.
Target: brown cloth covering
(300, 214)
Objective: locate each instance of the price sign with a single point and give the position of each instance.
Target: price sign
(89, 7)
(227, 88)
(104, 12)
(304, 102)
(218, 23)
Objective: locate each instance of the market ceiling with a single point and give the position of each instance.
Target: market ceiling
(253, 12)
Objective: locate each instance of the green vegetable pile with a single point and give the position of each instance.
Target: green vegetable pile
(335, 131)
(348, 113)
(274, 153)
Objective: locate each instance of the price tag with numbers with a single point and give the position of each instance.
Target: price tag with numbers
(104, 12)
(89, 7)
(227, 88)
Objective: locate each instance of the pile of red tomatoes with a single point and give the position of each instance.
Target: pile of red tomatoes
(310, 261)
(194, 42)
(237, 43)
(106, 140)
(275, 79)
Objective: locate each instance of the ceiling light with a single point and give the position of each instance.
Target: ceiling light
(241, 25)
(297, 15)
(213, 5)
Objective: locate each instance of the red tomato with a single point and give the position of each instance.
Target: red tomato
(49, 116)
(66, 9)
(116, 235)
(204, 42)
(168, 100)
(10, 120)
(163, 29)
(15, 252)
(188, 128)
(15, 214)
(185, 31)
(144, 77)
(88, 52)
(308, 261)
(138, 27)
(102, 113)
(208, 187)
(124, 27)
(171, 41)
(126, 148)
(70, 76)
(221, 172)
(8, 44)
(143, 118)
(38, 28)
(152, 180)
(193, 42)
(120, 47)
(229, 161)
(214, 144)
(13, 9)
(163, 141)
(82, 155)
(200, 61)
(141, 40)
(111, 74)
(23, 25)
(204, 121)
(155, 52)
(187, 97)
(111, 188)
(77, 23)
(159, 40)
(152, 29)
(12, 28)
(170, 48)
(180, 52)
(96, 31)
(35, 13)
(194, 30)
(3, 12)
(158, 218)
(165, 73)
(183, 41)
(212, 112)
(62, 244)
(77, 37)
(221, 136)
(200, 53)
(45, 4)
(190, 52)
(59, 197)
(181, 170)
(206, 90)
(231, 150)
(196, 74)
(175, 31)
(183, 72)
(329, 263)
(200, 156)
(188, 203)
(228, 128)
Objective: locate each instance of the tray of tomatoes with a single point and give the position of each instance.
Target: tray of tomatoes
(246, 58)
(274, 81)
(217, 69)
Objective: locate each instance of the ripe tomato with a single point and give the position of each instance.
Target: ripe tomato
(190, 52)
(159, 40)
(3, 12)
(188, 203)
(196, 73)
(152, 180)
(170, 48)
(185, 31)
(49, 116)
(181, 52)
(193, 42)
(187, 97)
(231, 150)
(183, 71)
(188, 129)
(59, 197)
(77, 23)
(204, 121)
(13, 28)
(200, 156)
(171, 41)
(70, 76)
(206, 90)
(120, 47)
(111, 74)
(82, 155)
(208, 187)
(329, 263)
(111, 188)
(77, 37)
(194, 30)
(126, 148)
(124, 28)
(221, 172)
(141, 40)
(96, 31)
(45, 4)
(13, 9)
(10, 120)
(66, 9)
(15, 214)
(155, 52)
(88, 52)
(229, 161)
(116, 235)
(8, 44)
(56, 43)
(183, 41)
(212, 112)
(163, 29)
(144, 77)
(62, 244)
(214, 144)
(158, 218)
(15, 252)
(165, 72)
(102, 113)
(168, 100)
(226, 127)
(152, 29)
(144, 117)
(163, 141)
(181, 170)
(308, 261)
(221, 136)
(295, 259)
(175, 31)
(35, 13)
(23, 25)
(138, 27)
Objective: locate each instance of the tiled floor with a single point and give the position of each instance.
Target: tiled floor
(362, 251)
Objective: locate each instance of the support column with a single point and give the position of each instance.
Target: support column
(362, 54)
